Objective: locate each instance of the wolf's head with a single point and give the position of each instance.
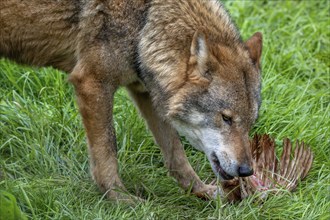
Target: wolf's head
(219, 101)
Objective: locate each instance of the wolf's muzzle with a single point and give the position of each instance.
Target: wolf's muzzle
(244, 170)
(218, 168)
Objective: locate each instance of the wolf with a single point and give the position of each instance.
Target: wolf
(183, 63)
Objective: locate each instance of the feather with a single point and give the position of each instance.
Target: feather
(270, 173)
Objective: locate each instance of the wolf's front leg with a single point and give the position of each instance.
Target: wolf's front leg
(168, 140)
(95, 100)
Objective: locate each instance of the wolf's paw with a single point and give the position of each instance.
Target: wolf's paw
(209, 192)
(121, 195)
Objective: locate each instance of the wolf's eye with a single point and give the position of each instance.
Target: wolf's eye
(227, 119)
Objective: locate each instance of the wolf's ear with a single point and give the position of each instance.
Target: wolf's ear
(198, 48)
(254, 46)
(198, 59)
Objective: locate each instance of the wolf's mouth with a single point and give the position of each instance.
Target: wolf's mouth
(219, 169)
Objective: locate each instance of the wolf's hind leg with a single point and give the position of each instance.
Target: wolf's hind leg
(95, 99)
(168, 140)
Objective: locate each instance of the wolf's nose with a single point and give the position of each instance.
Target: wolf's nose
(245, 170)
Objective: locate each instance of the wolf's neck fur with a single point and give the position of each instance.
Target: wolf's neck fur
(165, 40)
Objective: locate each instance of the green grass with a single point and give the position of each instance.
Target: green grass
(43, 156)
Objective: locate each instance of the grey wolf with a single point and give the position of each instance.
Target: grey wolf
(182, 61)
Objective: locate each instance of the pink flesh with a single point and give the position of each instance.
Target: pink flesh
(260, 186)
